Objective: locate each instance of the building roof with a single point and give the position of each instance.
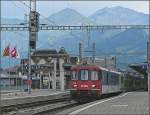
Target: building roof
(139, 67)
(45, 52)
(50, 52)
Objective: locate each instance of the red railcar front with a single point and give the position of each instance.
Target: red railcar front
(85, 82)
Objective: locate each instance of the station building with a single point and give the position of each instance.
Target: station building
(50, 69)
(10, 79)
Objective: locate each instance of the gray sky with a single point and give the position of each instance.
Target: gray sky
(16, 9)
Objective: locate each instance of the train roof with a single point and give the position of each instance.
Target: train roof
(82, 67)
(91, 67)
(105, 69)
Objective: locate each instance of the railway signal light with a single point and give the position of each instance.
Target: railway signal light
(34, 21)
(33, 38)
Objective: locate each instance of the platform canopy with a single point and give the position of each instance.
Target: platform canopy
(141, 67)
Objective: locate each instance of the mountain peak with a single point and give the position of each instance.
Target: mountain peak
(66, 11)
(119, 15)
(122, 9)
(68, 16)
(117, 7)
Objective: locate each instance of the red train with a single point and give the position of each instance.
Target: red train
(90, 81)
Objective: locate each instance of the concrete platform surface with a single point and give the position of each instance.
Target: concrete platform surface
(35, 96)
(131, 103)
(34, 93)
(9, 91)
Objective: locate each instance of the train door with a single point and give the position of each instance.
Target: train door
(105, 87)
(121, 82)
(109, 81)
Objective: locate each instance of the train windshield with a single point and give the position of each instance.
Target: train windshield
(74, 75)
(94, 75)
(84, 74)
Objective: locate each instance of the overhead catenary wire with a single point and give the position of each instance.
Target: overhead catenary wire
(50, 21)
(44, 17)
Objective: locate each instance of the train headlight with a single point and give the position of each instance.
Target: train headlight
(93, 86)
(75, 85)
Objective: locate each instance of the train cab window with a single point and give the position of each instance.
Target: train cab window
(94, 75)
(84, 74)
(74, 75)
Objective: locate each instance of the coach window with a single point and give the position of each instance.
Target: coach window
(105, 77)
(74, 75)
(84, 74)
(94, 75)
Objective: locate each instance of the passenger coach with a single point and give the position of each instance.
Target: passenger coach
(90, 81)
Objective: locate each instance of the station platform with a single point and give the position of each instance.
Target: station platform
(9, 91)
(15, 98)
(130, 103)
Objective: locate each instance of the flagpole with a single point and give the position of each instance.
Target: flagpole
(16, 75)
(6, 52)
(21, 64)
(9, 74)
(9, 69)
(16, 66)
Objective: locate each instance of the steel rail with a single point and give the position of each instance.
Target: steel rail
(12, 108)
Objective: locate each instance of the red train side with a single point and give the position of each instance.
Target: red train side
(85, 82)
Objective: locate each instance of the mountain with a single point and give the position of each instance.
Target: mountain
(11, 21)
(119, 15)
(131, 40)
(107, 41)
(69, 17)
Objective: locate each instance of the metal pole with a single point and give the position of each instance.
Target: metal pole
(148, 60)
(16, 75)
(105, 62)
(94, 52)
(34, 5)
(29, 65)
(88, 36)
(29, 55)
(9, 74)
(22, 75)
(80, 52)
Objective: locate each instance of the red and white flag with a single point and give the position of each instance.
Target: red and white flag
(6, 51)
(14, 53)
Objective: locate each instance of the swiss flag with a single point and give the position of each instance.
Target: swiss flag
(6, 51)
(14, 53)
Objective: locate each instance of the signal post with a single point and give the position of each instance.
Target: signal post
(33, 35)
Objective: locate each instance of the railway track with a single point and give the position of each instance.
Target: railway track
(58, 110)
(36, 107)
(40, 108)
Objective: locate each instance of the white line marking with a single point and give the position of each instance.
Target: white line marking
(84, 108)
(119, 105)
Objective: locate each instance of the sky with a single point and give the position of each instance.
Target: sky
(16, 9)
